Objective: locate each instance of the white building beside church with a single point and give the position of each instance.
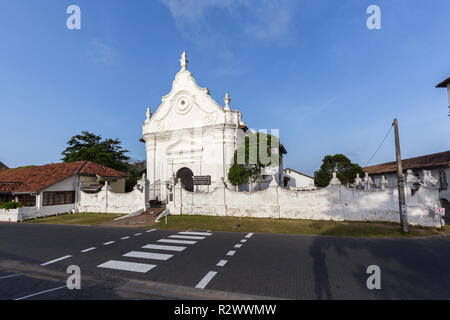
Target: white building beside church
(296, 180)
(190, 134)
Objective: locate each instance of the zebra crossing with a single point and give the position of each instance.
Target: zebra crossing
(163, 250)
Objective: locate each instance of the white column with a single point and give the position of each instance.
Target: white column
(150, 146)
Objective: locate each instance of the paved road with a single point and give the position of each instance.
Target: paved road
(127, 263)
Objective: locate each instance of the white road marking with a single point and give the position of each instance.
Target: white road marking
(11, 276)
(222, 263)
(231, 253)
(38, 293)
(187, 237)
(148, 255)
(195, 233)
(56, 260)
(177, 241)
(108, 243)
(138, 234)
(204, 282)
(127, 266)
(150, 230)
(125, 238)
(167, 248)
(87, 250)
(238, 246)
(249, 235)
(244, 240)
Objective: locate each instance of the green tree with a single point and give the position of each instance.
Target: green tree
(135, 171)
(238, 174)
(339, 163)
(108, 152)
(90, 147)
(248, 161)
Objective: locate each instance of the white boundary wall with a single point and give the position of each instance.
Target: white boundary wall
(11, 215)
(106, 201)
(19, 214)
(335, 202)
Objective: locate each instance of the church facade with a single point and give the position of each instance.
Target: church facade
(189, 135)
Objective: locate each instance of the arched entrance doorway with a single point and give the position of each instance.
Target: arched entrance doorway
(186, 176)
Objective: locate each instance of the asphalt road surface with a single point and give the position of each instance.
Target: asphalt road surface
(127, 263)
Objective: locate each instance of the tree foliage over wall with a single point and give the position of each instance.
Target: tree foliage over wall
(108, 152)
(252, 156)
(339, 163)
(90, 147)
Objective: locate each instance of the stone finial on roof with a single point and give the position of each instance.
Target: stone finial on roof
(149, 113)
(227, 101)
(184, 62)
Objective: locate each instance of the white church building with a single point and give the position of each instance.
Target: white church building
(189, 135)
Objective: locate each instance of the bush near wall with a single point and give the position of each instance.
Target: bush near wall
(11, 205)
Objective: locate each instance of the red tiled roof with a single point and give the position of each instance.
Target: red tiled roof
(428, 161)
(34, 179)
(2, 166)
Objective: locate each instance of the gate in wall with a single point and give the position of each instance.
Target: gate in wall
(155, 191)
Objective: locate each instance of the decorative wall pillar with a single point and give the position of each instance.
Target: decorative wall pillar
(368, 182)
(221, 203)
(274, 201)
(384, 183)
(178, 198)
(106, 187)
(358, 184)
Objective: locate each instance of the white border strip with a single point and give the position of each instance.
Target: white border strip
(193, 233)
(249, 235)
(167, 248)
(148, 255)
(187, 237)
(222, 263)
(56, 260)
(177, 241)
(204, 282)
(38, 293)
(127, 266)
(11, 276)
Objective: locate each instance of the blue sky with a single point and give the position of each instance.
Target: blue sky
(309, 68)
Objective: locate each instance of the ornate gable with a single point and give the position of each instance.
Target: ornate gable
(186, 106)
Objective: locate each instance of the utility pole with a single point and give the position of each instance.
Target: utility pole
(400, 182)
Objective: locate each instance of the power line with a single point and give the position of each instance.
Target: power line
(381, 144)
